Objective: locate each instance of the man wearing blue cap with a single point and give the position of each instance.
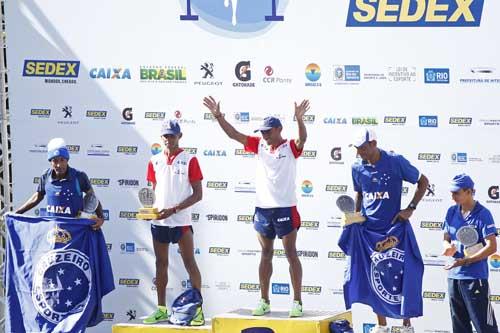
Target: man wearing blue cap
(176, 179)
(378, 180)
(276, 203)
(470, 238)
(63, 185)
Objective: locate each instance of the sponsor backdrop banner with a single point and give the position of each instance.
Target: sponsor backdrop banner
(103, 75)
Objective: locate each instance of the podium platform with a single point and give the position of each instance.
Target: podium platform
(242, 321)
(162, 327)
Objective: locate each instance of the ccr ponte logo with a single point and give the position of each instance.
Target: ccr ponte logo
(232, 18)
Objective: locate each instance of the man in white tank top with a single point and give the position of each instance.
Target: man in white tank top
(276, 205)
(176, 179)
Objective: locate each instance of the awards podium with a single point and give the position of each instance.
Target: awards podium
(242, 321)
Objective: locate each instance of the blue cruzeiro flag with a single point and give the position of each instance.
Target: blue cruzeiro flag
(384, 270)
(56, 272)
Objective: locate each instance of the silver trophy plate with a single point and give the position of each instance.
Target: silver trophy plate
(467, 235)
(147, 197)
(90, 203)
(346, 204)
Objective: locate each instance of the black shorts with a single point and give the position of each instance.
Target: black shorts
(168, 235)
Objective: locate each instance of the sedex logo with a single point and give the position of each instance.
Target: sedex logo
(410, 13)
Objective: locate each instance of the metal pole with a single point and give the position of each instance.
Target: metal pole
(6, 189)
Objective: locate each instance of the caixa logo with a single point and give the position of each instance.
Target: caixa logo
(233, 18)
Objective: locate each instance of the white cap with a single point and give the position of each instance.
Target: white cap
(363, 136)
(56, 143)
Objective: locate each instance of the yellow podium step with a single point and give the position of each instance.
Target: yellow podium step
(157, 328)
(242, 321)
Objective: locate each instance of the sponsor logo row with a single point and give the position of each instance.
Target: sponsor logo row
(68, 72)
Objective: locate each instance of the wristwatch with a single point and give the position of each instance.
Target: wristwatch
(412, 206)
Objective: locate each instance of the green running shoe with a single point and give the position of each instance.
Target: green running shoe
(262, 308)
(296, 310)
(156, 317)
(199, 318)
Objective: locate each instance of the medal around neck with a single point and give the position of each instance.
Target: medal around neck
(90, 203)
(147, 199)
(469, 237)
(346, 204)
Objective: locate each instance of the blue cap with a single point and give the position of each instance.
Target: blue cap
(461, 181)
(268, 123)
(57, 148)
(171, 127)
(58, 152)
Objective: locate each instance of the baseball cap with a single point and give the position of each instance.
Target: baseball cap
(363, 136)
(461, 181)
(268, 123)
(170, 127)
(57, 148)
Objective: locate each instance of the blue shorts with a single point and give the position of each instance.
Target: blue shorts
(281, 221)
(165, 234)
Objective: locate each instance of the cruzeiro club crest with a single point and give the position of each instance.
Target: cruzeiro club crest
(387, 275)
(61, 283)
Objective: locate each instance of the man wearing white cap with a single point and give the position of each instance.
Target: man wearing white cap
(63, 185)
(377, 180)
(276, 204)
(176, 179)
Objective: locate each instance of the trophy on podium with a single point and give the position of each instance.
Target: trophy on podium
(346, 204)
(469, 237)
(90, 203)
(147, 199)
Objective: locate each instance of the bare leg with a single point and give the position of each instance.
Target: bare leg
(161, 254)
(187, 253)
(295, 268)
(266, 265)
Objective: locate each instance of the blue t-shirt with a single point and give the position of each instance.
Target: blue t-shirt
(381, 186)
(64, 196)
(482, 221)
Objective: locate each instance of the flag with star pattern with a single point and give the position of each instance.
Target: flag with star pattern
(384, 270)
(56, 272)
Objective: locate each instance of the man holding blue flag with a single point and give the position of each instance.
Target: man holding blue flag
(470, 238)
(64, 187)
(57, 268)
(385, 267)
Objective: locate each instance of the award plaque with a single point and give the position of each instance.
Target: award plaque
(90, 203)
(469, 237)
(147, 199)
(346, 204)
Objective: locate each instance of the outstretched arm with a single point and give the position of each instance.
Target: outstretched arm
(231, 132)
(300, 110)
(34, 200)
